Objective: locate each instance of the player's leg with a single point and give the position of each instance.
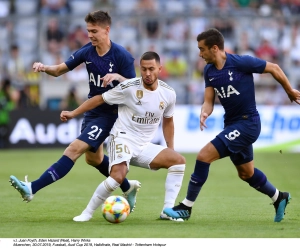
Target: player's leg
(120, 154)
(93, 159)
(258, 180)
(156, 157)
(243, 135)
(55, 172)
(129, 187)
(103, 191)
(207, 154)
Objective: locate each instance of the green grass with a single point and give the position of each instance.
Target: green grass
(226, 207)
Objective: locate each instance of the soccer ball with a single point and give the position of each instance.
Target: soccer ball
(115, 209)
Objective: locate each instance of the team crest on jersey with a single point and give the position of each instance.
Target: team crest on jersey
(110, 65)
(139, 95)
(230, 75)
(161, 105)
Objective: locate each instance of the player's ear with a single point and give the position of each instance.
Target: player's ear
(215, 47)
(107, 30)
(159, 68)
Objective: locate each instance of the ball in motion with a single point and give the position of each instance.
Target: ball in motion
(115, 209)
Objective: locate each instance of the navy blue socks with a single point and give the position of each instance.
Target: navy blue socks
(198, 178)
(57, 171)
(260, 183)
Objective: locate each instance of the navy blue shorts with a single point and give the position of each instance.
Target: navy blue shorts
(94, 130)
(236, 140)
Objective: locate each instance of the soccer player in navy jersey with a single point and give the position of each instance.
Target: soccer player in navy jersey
(101, 56)
(230, 77)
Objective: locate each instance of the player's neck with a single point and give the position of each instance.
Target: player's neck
(220, 60)
(104, 48)
(151, 87)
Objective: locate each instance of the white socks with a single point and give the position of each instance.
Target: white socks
(274, 198)
(173, 184)
(102, 192)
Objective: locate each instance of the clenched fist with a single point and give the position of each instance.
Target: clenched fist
(38, 67)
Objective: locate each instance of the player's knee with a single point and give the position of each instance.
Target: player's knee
(92, 161)
(180, 159)
(244, 175)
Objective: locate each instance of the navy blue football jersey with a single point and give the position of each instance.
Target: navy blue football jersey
(234, 85)
(116, 60)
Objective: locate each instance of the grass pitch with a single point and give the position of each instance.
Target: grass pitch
(226, 207)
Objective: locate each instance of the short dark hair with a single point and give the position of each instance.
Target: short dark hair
(98, 17)
(212, 37)
(149, 55)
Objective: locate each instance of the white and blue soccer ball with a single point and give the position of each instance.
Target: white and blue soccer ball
(115, 209)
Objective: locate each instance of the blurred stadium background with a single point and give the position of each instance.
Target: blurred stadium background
(50, 30)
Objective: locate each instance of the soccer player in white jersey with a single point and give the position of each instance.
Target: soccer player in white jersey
(143, 103)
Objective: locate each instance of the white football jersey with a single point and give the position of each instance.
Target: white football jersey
(140, 110)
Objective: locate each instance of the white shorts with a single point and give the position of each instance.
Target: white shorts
(121, 148)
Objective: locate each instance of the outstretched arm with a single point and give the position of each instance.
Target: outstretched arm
(53, 70)
(86, 106)
(168, 131)
(280, 77)
(208, 106)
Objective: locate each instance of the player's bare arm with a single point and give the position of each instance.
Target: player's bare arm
(84, 107)
(280, 77)
(207, 107)
(108, 78)
(53, 70)
(168, 131)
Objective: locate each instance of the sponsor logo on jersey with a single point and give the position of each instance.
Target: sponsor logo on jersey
(223, 93)
(145, 120)
(88, 62)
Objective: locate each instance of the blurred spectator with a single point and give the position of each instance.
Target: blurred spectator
(73, 46)
(71, 101)
(274, 95)
(266, 7)
(53, 56)
(52, 7)
(149, 8)
(15, 67)
(225, 26)
(176, 66)
(54, 32)
(8, 99)
(29, 97)
(77, 75)
(294, 46)
(243, 47)
(178, 29)
(225, 5)
(79, 36)
(105, 5)
(266, 51)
